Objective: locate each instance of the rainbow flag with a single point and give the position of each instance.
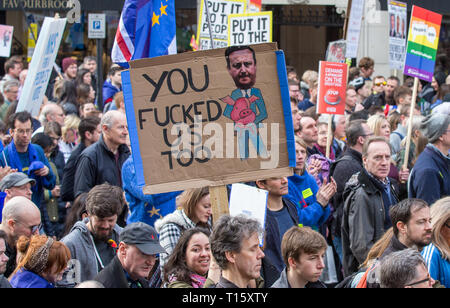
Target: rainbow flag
(423, 39)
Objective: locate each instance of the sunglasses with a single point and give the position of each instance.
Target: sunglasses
(381, 83)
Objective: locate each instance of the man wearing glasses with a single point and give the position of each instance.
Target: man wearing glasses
(405, 269)
(20, 217)
(30, 159)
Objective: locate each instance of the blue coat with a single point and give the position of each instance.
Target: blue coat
(302, 192)
(430, 177)
(27, 279)
(144, 208)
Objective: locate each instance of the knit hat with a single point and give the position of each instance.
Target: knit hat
(66, 62)
(434, 126)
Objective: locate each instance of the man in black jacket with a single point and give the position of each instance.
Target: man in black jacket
(102, 162)
(135, 258)
(368, 196)
(342, 170)
(90, 131)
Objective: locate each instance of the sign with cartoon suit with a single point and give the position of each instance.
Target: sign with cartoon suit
(209, 118)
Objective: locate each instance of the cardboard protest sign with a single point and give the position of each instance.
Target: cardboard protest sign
(397, 34)
(423, 39)
(6, 36)
(41, 65)
(332, 87)
(249, 28)
(219, 10)
(251, 202)
(354, 28)
(194, 121)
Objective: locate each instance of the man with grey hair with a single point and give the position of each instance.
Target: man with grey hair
(51, 112)
(20, 216)
(10, 93)
(368, 196)
(235, 247)
(102, 162)
(430, 177)
(405, 269)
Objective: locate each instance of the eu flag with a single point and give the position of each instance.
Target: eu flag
(147, 29)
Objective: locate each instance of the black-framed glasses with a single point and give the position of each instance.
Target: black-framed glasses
(428, 279)
(447, 225)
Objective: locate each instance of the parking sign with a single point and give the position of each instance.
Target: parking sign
(97, 26)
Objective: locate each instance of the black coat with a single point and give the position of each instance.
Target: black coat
(113, 276)
(68, 181)
(97, 165)
(348, 164)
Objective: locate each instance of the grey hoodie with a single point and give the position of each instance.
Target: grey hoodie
(83, 265)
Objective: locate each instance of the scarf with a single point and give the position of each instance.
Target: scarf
(323, 151)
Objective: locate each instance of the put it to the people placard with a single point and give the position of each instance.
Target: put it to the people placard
(209, 118)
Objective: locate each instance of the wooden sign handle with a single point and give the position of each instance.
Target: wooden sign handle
(411, 114)
(219, 201)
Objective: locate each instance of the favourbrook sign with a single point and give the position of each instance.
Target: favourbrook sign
(36, 4)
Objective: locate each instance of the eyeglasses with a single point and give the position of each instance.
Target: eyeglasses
(24, 131)
(33, 229)
(447, 225)
(381, 83)
(368, 135)
(428, 279)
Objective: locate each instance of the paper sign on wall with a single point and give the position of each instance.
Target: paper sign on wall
(6, 36)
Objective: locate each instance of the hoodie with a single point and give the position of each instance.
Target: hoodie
(83, 265)
(26, 279)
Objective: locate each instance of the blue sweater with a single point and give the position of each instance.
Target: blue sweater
(302, 192)
(438, 267)
(144, 208)
(430, 177)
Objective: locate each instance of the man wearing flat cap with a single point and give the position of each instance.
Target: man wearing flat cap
(136, 256)
(13, 185)
(430, 177)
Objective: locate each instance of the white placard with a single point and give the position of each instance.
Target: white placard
(41, 65)
(249, 28)
(218, 11)
(6, 36)
(354, 28)
(251, 202)
(97, 26)
(397, 34)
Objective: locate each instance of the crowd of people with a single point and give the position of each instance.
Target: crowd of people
(362, 216)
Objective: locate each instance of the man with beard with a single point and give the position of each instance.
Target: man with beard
(241, 65)
(411, 224)
(92, 242)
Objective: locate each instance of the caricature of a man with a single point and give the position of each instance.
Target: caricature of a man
(241, 64)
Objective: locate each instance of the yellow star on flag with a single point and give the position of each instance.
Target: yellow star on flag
(155, 19)
(163, 9)
(154, 211)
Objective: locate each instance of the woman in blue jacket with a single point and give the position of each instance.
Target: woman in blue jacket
(42, 262)
(437, 254)
(311, 201)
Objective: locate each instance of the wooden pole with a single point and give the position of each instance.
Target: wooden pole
(219, 201)
(411, 114)
(329, 135)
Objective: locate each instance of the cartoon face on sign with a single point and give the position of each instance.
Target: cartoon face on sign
(241, 112)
